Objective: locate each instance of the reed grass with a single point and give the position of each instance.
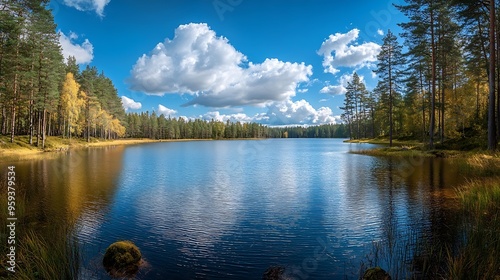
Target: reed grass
(479, 254)
(480, 165)
(409, 254)
(49, 252)
(43, 258)
(475, 253)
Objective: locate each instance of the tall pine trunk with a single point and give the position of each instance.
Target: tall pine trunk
(14, 99)
(443, 90)
(433, 81)
(492, 135)
(13, 111)
(422, 90)
(38, 131)
(31, 125)
(44, 126)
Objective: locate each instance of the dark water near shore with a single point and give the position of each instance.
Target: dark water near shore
(230, 209)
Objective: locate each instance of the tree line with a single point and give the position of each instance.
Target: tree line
(441, 83)
(40, 94)
(154, 126)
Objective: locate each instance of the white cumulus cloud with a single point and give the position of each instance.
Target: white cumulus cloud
(342, 50)
(284, 113)
(198, 62)
(340, 88)
(296, 113)
(129, 103)
(217, 116)
(84, 52)
(166, 111)
(380, 32)
(88, 5)
(333, 89)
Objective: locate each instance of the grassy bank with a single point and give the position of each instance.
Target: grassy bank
(464, 148)
(22, 150)
(472, 143)
(385, 141)
(476, 255)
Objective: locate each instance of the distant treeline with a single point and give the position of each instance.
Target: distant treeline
(151, 125)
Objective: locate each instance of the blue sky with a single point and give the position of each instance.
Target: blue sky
(273, 62)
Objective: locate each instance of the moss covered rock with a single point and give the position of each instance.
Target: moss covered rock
(274, 273)
(122, 259)
(376, 273)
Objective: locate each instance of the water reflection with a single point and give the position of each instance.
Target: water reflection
(69, 191)
(229, 209)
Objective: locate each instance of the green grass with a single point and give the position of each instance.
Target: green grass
(43, 258)
(51, 143)
(20, 142)
(474, 143)
(385, 141)
(405, 151)
(480, 165)
(21, 150)
(41, 252)
(479, 254)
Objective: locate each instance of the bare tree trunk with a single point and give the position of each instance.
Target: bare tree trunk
(443, 90)
(422, 90)
(31, 128)
(49, 130)
(492, 135)
(39, 130)
(44, 126)
(433, 81)
(478, 108)
(497, 60)
(31, 119)
(13, 110)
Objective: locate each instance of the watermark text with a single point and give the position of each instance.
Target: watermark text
(11, 219)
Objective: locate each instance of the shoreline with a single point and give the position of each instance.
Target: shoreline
(412, 148)
(21, 150)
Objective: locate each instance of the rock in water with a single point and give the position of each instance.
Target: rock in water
(274, 273)
(122, 259)
(376, 273)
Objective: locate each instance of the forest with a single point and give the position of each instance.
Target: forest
(441, 83)
(42, 95)
(438, 81)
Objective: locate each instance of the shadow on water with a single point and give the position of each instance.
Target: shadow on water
(55, 198)
(420, 218)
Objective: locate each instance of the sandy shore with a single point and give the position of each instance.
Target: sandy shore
(22, 153)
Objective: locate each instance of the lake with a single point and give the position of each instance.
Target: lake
(231, 209)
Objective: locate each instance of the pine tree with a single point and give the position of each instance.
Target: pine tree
(389, 69)
(420, 33)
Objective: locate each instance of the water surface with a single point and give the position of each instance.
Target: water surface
(230, 209)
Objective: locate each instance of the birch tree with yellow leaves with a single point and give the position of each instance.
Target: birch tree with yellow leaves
(71, 104)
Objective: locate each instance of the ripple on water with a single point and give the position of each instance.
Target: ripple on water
(205, 210)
